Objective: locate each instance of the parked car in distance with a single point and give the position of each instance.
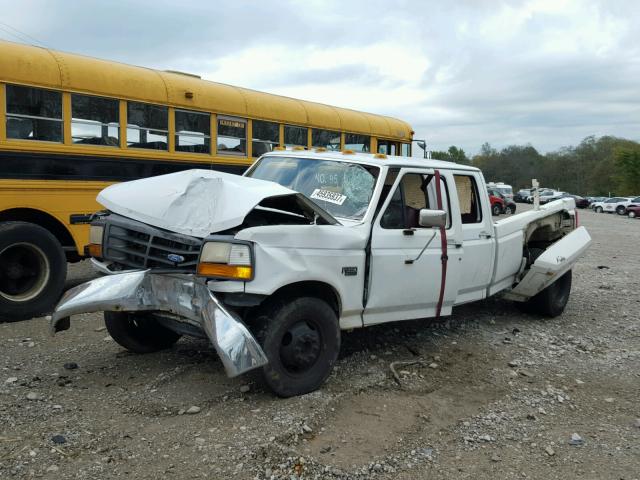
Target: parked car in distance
(623, 207)
(633, 211)
(551, 196)
(497, 202)
(541, 192)
(503, 188)
(508, 205)
(581, 202)
(521, 195)
(598, 207)
(617, 205)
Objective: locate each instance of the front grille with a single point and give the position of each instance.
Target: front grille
(133, 244)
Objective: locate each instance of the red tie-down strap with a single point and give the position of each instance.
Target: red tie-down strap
(443, 243)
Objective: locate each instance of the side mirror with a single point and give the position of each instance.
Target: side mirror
(432, 218)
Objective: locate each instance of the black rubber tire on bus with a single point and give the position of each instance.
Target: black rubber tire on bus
(301, 339)
(552, 301)
(33, 269)
(139, 332)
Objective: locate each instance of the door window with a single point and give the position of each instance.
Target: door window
(469, 199)
(414, 192)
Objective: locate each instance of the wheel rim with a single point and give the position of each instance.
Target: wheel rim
(24, 272)
(300, 347)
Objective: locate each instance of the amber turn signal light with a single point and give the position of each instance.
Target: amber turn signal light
(219, 270)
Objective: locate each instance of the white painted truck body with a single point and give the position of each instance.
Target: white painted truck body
(377, 273)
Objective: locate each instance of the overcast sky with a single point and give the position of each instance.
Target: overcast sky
(461, 73)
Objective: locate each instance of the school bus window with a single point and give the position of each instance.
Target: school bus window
(193, 132)
(147, 126)
(357, 143)
(295, 136)
(95, 120)
(325, 138)
(34, 114)
(266, 135)
(406, 149)
(388, 147)
(232, 136)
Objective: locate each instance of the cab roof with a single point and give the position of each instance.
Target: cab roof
(372, 159)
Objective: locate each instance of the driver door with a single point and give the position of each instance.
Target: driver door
(403, 283)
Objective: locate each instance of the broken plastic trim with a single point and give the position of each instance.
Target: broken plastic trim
(183, 295)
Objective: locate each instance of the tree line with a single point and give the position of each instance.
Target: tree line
(597, 166)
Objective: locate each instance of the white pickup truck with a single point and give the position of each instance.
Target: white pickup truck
(273, 265)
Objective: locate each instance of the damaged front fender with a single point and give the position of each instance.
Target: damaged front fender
(183, 295)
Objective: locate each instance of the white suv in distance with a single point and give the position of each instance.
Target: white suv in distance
(599, 207)
(617, 205)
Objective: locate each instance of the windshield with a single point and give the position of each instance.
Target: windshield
(342, 189)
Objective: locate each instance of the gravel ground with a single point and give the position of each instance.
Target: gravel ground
(489, 393)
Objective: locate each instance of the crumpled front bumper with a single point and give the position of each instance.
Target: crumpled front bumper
(184, 295)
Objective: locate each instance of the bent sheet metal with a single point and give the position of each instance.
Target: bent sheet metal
(181, 295)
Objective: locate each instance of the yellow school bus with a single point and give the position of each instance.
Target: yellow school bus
(71, 125)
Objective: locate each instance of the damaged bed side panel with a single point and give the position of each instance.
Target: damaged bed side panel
(558, 259)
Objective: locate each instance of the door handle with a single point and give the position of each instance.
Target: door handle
(485, 235)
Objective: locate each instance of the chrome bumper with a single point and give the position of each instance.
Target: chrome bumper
(182, 295)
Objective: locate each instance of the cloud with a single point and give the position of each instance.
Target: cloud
(545, 72)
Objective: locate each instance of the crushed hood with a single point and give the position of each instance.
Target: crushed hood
(196, 202)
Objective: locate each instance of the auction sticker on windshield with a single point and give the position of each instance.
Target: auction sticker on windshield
(328, 196)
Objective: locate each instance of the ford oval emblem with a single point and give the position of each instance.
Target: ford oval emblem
(175, 258)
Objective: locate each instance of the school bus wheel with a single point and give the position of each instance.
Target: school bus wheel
(33, 269)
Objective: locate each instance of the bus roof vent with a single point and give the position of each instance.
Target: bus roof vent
(177, 72)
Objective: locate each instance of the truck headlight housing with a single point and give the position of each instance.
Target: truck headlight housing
(96, 233)
(226, 260)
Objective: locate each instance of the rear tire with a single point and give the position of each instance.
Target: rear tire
(621, 210)
(510, 210)
(552, 301)
(139, 332)
(301, 338)
(632, 214)
(599, 210)
(33, 269)
(496, 210)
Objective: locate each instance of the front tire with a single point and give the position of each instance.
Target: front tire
(139, 332)
(33, 269)
(632, 214)
(510, 210)
(552, 301)
(496, 210)
(301, 338)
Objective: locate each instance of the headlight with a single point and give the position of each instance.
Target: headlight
(95, 240)
(226, 260)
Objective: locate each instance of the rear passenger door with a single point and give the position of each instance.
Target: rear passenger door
(477, 237)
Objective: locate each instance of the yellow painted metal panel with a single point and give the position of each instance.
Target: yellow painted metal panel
(123, 123)
(172, 131)
(273, 107)
(322, 116)
(379, 125)
(59, 199)
(26, 64)
(48, 68)
(66, 117)
(3, 119)
(353, 121)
